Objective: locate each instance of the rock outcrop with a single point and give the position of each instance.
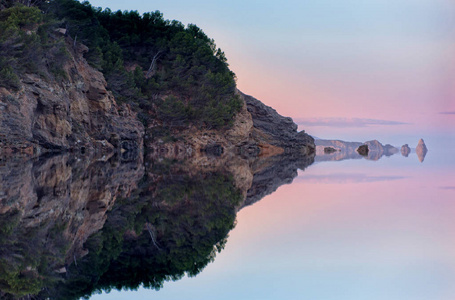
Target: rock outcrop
(270, 128)
(75, 113)
(328, 150)
(421, 150)
(405, 150)
(257, 131)
(363, 150)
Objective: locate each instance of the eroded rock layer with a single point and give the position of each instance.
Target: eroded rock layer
(75, 113)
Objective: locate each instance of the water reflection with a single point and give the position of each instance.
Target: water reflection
(71, 226)
(49, 207)
(337, 150)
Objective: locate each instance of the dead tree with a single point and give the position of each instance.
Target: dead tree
(152, 69)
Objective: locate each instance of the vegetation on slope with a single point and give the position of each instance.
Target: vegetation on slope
(161, 67)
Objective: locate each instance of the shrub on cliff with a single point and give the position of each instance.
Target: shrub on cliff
(145, 57)
(28, 45)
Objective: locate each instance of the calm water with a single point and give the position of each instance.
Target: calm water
(349, 229)
(353, 229)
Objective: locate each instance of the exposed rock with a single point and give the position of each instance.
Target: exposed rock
(328, 150)
(405, 150)
(363, 150)
(257, 131)
(70, 114)
(274, 129)
(421, 150)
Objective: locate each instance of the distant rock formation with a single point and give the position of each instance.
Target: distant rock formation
(328, 150)
(421, 150)
(405, 150)
(348, 150)
(377, 150)
(363, 150)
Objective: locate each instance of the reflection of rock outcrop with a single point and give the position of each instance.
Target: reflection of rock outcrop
(272, 172)
(377, 150)
(421, 150)
(51, 206)
(363, 150)
(405, 150)
(348, 150)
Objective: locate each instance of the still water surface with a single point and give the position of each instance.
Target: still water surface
(351, 229)
(380, 227)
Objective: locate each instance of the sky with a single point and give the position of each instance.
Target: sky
(339, 68)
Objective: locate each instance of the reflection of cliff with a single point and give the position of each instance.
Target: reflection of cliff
(48, 209)
(85, 226)
(272, 172)
(172, 225)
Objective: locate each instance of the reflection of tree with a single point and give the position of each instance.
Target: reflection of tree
(172, 227)
(26, 262)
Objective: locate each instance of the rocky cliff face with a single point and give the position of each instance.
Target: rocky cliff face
(257, 131)
(270, 128)
(75, 113)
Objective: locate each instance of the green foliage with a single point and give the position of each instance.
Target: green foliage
(28, 45)
(8, 77)
(174, 110)
(26, 259)
(166, 58)
(169, 58)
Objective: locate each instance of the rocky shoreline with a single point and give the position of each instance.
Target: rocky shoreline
(80, 115)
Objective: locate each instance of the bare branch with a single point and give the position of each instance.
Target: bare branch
(152, 69)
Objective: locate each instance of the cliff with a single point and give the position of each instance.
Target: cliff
(56, 94)
(77, 113)
(270, 128)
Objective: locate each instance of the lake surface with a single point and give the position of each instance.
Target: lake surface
(351, 229)
(348, 229)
